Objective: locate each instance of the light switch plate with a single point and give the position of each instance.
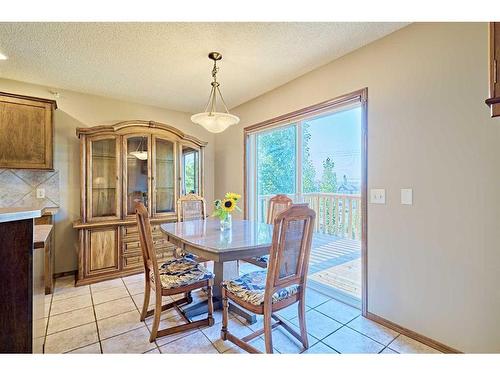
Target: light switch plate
(40, 193)
(377, 196)
(407, 196)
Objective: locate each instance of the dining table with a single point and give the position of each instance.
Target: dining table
(205, 238)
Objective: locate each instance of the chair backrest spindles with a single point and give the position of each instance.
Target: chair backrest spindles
(291, 247)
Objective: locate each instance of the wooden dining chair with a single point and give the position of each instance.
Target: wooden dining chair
(268, 291)
(191, 207)
(277, 205)
(175, 276)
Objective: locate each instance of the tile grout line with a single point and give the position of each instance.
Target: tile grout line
(137, 307)
(342, 326)
(371, 338)
(50, 309)
(67, 329)
(361, 333)
(66, 298)
(48, 320)
(338, 321)
(211, 343)
(394, 339)
(34, 186)
(95, 317)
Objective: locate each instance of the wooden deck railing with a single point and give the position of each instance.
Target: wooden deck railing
(336, 214)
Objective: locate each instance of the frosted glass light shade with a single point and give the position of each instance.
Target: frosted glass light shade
(141, 155)
(215, 122)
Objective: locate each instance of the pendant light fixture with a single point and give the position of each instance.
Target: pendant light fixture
(140, 154)
(210, 119)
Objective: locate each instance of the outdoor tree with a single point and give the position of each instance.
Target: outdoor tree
(329, 180)
(309, 184)
(276, 161)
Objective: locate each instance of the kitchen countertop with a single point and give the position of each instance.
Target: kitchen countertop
(50, 211)
(21, 213)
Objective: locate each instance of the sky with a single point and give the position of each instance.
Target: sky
(337, 136)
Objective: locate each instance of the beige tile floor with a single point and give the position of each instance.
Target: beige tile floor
(104, 318)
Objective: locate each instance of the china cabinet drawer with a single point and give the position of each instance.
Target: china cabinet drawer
(161, 242)
(130, 233)
(132, 262)
(131, 246)
(131, 230)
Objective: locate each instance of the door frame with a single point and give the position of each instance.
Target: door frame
(358, 96)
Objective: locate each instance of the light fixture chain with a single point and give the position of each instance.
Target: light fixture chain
(215, 70)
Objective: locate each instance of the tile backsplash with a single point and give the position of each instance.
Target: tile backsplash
(18, 188)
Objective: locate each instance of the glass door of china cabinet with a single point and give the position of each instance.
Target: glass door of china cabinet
(190, 170)
(137, 159)
(164, 176)
(103, 178)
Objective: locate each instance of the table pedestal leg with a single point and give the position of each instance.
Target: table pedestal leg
(223, 271)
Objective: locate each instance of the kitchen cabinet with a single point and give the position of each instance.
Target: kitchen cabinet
(26, 132)
(22, 322)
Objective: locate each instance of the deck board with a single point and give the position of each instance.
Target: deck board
(336, 263)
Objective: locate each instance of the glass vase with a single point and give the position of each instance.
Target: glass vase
(225, 224)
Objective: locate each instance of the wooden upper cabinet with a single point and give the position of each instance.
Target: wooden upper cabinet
(494, 100)
(26, 132)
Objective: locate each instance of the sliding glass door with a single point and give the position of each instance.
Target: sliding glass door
(316, 160)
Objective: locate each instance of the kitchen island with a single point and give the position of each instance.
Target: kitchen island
(22, 322)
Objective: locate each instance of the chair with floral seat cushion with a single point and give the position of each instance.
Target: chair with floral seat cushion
(176, 276)
(190, 207)
(283, 284)
(276, 205)
(251, 288)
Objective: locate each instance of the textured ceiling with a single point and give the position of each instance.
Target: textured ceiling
(166, 64)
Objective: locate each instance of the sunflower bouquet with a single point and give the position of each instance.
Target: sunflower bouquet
(224, 207)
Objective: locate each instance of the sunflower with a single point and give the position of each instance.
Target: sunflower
(233, 196)
(228, 205)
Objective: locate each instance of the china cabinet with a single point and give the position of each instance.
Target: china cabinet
(121, 164)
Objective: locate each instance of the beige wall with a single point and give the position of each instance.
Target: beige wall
(81, 110)
(433, 267)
